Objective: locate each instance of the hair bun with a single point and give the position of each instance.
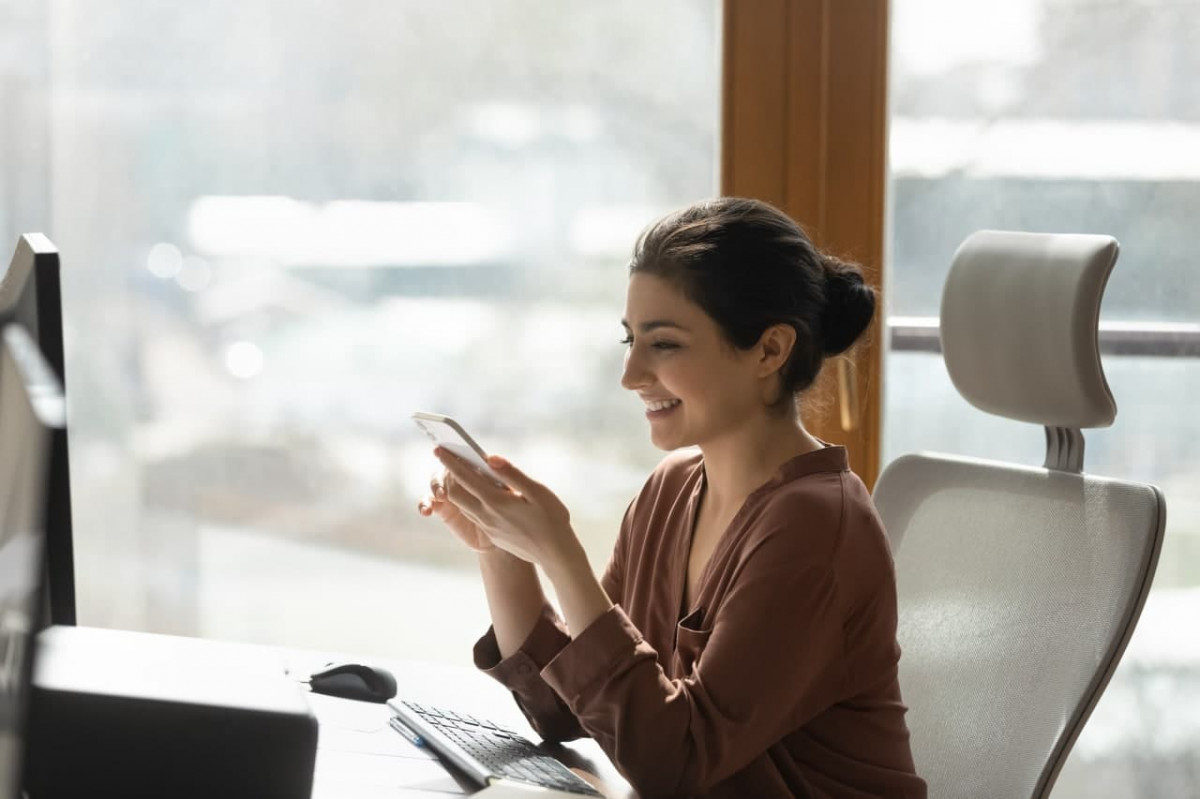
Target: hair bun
(849, 305)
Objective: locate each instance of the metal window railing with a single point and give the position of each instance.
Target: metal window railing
(1149, 339)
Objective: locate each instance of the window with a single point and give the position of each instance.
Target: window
(284, 226)
(1068, 116)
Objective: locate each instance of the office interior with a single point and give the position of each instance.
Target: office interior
(284, 226)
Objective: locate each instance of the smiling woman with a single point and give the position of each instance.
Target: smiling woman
(726, 272)
(742, 640)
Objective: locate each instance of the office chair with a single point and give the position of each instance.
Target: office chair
(1018, 586)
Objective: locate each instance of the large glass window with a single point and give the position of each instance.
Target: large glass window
(1068, 116)
(285, 225)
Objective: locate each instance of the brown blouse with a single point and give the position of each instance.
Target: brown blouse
(780, 679)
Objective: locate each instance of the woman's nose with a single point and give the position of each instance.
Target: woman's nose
(633, 376)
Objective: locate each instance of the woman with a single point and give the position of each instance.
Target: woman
(742, 641)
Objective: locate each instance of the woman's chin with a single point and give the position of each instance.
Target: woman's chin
(668, 442)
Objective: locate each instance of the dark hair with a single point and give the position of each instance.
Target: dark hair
(749, 266)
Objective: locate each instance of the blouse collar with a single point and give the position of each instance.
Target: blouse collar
(830, 458)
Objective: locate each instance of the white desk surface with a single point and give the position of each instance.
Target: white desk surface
(360, 757)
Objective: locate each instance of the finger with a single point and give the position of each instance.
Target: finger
(517, 479)
(471, 518)
(462, 497)
(479, 484)
(429, 504)
(437, 482)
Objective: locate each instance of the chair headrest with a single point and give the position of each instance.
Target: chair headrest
(1019, 322)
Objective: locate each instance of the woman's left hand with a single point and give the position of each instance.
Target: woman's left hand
(526, 519)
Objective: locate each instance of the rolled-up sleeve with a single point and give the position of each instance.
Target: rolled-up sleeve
(769, 662)
(521, 672)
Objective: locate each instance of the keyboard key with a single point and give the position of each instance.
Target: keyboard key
(500, 751)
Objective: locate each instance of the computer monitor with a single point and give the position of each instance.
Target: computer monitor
(31, 408)
(31, 296)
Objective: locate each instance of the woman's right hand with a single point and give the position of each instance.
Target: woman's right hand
(437, 504)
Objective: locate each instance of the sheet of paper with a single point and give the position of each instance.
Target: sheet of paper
(349, 726)
(340, 790)
(378, 742)
(354, 769)
(348, 714)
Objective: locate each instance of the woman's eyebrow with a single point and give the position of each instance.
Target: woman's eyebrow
(654, 324)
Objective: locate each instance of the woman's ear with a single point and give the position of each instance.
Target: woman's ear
(774, 348)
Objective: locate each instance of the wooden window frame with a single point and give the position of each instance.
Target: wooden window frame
(804, 127)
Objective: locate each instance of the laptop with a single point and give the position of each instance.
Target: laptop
(31, 408)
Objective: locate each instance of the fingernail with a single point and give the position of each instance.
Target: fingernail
(439, 492)
(497, 461)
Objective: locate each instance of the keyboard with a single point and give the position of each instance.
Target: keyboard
(485, 751)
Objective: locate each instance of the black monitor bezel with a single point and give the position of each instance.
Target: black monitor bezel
(31, 296)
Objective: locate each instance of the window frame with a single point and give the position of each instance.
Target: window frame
(804, 117)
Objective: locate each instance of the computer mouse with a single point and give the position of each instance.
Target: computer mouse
(354, 681)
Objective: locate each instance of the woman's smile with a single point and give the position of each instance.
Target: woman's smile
(660, 409)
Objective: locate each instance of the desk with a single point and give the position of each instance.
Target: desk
(357, 750)
(359, 756)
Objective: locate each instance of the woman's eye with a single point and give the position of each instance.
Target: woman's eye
(658, 345)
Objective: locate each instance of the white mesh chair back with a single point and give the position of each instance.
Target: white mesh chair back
(1018, 590)
(1018, 586)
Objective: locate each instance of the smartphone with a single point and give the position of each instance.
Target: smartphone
(445, 432)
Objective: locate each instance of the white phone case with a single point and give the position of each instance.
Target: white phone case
(444, 431)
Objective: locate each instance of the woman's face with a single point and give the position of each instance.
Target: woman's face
(697, 387)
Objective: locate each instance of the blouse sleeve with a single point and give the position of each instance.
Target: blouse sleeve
(521, 672)
(770, 661)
